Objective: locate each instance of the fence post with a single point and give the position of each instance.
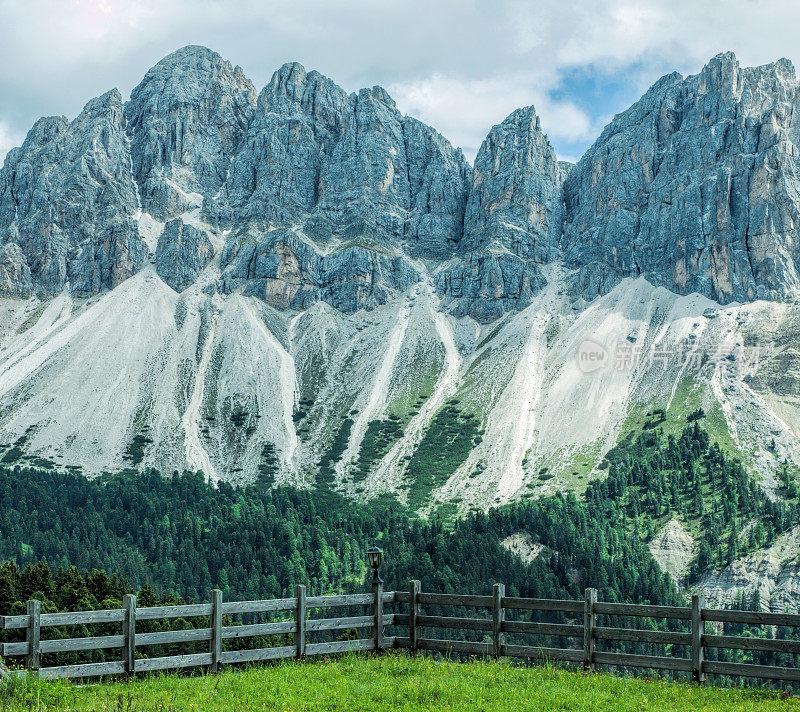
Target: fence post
(498, 637)
(300, 620)
(216, 630)
(377, 613)
(129, 633)
(698, 631)
(414, 588)
(32, 636)
(589, 623)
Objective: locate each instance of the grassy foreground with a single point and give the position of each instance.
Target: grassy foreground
(391, 682)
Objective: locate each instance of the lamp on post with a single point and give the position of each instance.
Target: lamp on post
(374, 556)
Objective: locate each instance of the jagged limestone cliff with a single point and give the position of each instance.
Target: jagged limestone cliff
(303, 283)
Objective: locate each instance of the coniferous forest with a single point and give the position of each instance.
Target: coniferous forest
(184, 536)
(79, 544)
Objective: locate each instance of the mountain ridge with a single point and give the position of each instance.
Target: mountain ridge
(304, 284)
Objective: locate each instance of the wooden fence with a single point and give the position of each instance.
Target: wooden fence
(581, 625)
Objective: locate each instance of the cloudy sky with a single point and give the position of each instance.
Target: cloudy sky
(459, 65)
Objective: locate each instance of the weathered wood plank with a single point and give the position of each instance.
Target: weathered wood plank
(534, 628)
(173, 662)
(345, 623)
(646, 661)
(172, 636)
(644, 611)
(498, 615)
(352, 599)
(542, 604)
(534, 653)
(751, 617)
(377, 611)
(389, 596)
(402, 597)
(589, 623)
(10, 650)
(264, 606)
(455, 599)
(215, 641)
(111, 615)
(414, 632)
(340, 646)
(459, 623)
(102, 642)
(255, 655)
(33, 635)
(115, 667)
(744, 670)
(339, 623)
(736, 642)
(454, 646)
(402, 642)
(698, 630)
(643, 636)
(300, 615)
(249, 631)
(191, 610)
(129, 634)
(15, 622)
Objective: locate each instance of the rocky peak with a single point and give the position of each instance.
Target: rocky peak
(186, 118)
(512, 221)
(439, 178)
(294, 92)
(693, 188)
(515, 200)
(64, 198)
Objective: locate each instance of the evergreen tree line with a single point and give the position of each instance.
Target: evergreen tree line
(175, 538)
(651, 478)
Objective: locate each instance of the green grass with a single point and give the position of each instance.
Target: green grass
(391, 682)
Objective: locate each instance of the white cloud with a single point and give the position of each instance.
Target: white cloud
(464, 111)
(8, 139)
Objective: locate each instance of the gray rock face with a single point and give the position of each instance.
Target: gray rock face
(64, 198)
(488, 284)
(182, 253)
(439, 184)
(349, 169)
(512, 221)
(274, 175)
(694, 186)
(287, 272)
(515, 200)
(15, 276)
(186, 118)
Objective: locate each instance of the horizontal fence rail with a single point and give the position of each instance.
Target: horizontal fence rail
(576, 622)
(130, 641)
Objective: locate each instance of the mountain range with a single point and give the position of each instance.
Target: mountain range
(304, 285)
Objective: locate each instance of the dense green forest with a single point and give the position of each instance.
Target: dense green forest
(651, 478)
(174, 538)
(182, 535)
